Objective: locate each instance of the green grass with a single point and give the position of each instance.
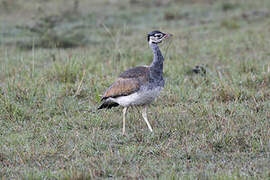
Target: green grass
(212, 126)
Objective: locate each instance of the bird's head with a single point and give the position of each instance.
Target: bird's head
(157, 37)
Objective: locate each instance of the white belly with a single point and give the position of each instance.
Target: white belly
(138, 98)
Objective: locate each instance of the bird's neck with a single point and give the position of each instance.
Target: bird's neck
(156, 68)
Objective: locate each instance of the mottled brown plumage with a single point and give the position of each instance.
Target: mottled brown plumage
(128, 82)
(122, 87)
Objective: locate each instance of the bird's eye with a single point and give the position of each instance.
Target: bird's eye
(158, 35)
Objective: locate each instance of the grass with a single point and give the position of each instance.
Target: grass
(212, 126)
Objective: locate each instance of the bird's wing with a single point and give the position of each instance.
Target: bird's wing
(128, 82)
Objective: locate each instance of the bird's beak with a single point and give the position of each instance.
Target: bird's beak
(167, 35)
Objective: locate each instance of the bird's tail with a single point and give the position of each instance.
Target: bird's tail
(108, 105)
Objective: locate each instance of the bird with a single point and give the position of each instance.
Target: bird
(138, 86)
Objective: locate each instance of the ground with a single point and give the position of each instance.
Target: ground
(210, 122)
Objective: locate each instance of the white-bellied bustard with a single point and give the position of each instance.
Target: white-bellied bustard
(138, 86)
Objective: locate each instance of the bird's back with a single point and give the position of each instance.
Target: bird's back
(136, 72)
(128, 82)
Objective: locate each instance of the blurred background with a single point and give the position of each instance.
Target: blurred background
(72, 23)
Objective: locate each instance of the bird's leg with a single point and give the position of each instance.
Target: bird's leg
(144, 115)
(124, 119)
